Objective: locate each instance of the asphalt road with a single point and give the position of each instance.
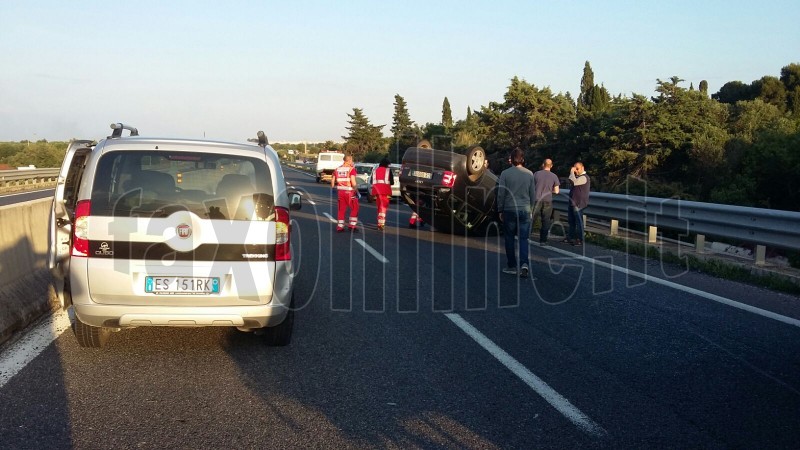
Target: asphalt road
(426, 344)
(19, 197)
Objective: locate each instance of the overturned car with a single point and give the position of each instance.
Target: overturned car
(453, 192)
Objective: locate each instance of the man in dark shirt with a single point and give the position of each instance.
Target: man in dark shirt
(578, 200)
(547, 184)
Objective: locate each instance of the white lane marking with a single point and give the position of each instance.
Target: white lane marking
(19, 354)
(552, 397)
(374, 252)
(26, 192)
(312, 202)
(680, 287)
(330, 217)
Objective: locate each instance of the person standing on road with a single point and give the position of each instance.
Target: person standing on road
(578, 200)
(344, 181)
(382, 181)
(547, 184)
(515, 199)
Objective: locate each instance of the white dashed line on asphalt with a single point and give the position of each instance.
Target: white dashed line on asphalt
(680, 287)
(374, 252)
(330, 217)
(20, 353)
(312, 202)
(552, 397)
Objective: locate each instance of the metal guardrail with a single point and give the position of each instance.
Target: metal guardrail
(308, 167)
(759, 226)
(27, 176)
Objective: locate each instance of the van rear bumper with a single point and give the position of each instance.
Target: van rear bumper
(121, 316)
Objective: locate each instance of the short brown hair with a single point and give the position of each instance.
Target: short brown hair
(517, 157)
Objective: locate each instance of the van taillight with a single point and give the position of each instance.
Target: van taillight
(283, 230)
(448, 179)
(80, 229)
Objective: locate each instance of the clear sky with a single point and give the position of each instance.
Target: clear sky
(225, 69)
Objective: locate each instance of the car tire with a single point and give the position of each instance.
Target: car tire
(89, 336)
(425, 144)
(318, 179)
(281, 334)
(476, 158)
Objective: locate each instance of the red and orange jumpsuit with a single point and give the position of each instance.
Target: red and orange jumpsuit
(382, 190)
(348, 196)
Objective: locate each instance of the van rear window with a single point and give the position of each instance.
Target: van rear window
(158, 183)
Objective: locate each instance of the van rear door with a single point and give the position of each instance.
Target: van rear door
(62, 210)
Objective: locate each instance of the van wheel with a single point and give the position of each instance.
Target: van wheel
(424, 144)
(281, 334)
(89, 336)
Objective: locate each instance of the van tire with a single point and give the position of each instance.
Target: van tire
(281, 334)
(89, 336)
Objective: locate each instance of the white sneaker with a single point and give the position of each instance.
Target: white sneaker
(523, 272)
(510, 270)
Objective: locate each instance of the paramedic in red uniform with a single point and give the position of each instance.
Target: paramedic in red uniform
(382, 182)
(344, 180)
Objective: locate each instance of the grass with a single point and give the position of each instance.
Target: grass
(714, 267)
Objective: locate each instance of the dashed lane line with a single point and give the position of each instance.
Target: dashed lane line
(372, 251)
(552, 397)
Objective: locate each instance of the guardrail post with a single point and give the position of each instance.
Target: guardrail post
(761, 255)
(614, 227)
(652, 234)
(700, 243)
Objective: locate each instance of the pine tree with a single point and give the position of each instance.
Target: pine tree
(402, 124)
(587, 84)
(468, 120)
(364, 137)
(704, 87)
(447, 116)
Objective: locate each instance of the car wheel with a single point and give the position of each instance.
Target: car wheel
(476, 159)
(281, 334)
(424, 144)
(89, 336)
(318, 179)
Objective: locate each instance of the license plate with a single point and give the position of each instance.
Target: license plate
(181, 285)
(421, 174)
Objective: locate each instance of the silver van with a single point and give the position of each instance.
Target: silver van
(171, 232)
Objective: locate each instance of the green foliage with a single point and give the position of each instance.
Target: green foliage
(587, 84)
(704, 87)
(447, 115)
(363, 137)
(734, 91)
(404, 132)
(771, 90)
(41, 154)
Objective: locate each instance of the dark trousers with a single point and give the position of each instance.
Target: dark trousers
(514, 223)
(575, 223)
(545, 211)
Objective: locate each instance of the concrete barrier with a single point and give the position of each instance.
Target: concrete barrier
(25, 283)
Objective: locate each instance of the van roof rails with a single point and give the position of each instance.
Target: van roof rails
(118, 127)
(262, 139)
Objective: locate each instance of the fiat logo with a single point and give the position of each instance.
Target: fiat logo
(183, 230)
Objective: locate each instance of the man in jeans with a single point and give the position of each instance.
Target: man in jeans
(547, 184)
(515, 197)
(578, 200)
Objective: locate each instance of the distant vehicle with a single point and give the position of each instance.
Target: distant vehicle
(171, 232)
(453, 192)
(395, 187)
(327, 162)
(363, 172)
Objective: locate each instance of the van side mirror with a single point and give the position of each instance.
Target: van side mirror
(295, 201)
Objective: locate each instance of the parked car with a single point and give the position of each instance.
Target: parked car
(170, 232)
(395, 187)
(453, 192)
(363, 172)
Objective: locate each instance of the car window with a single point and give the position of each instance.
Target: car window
(324, 157)
(158, 183)
(363, 170)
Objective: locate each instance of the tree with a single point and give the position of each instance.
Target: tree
(363, 137)
(587, 84)
(447, 115)
(704, 87)
(790, 77)
(771, 90)
(527, 117)
(599, 99)
(404, 134)
(734, 91)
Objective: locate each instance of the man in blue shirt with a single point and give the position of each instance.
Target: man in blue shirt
(547, 184)
(515, 198)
